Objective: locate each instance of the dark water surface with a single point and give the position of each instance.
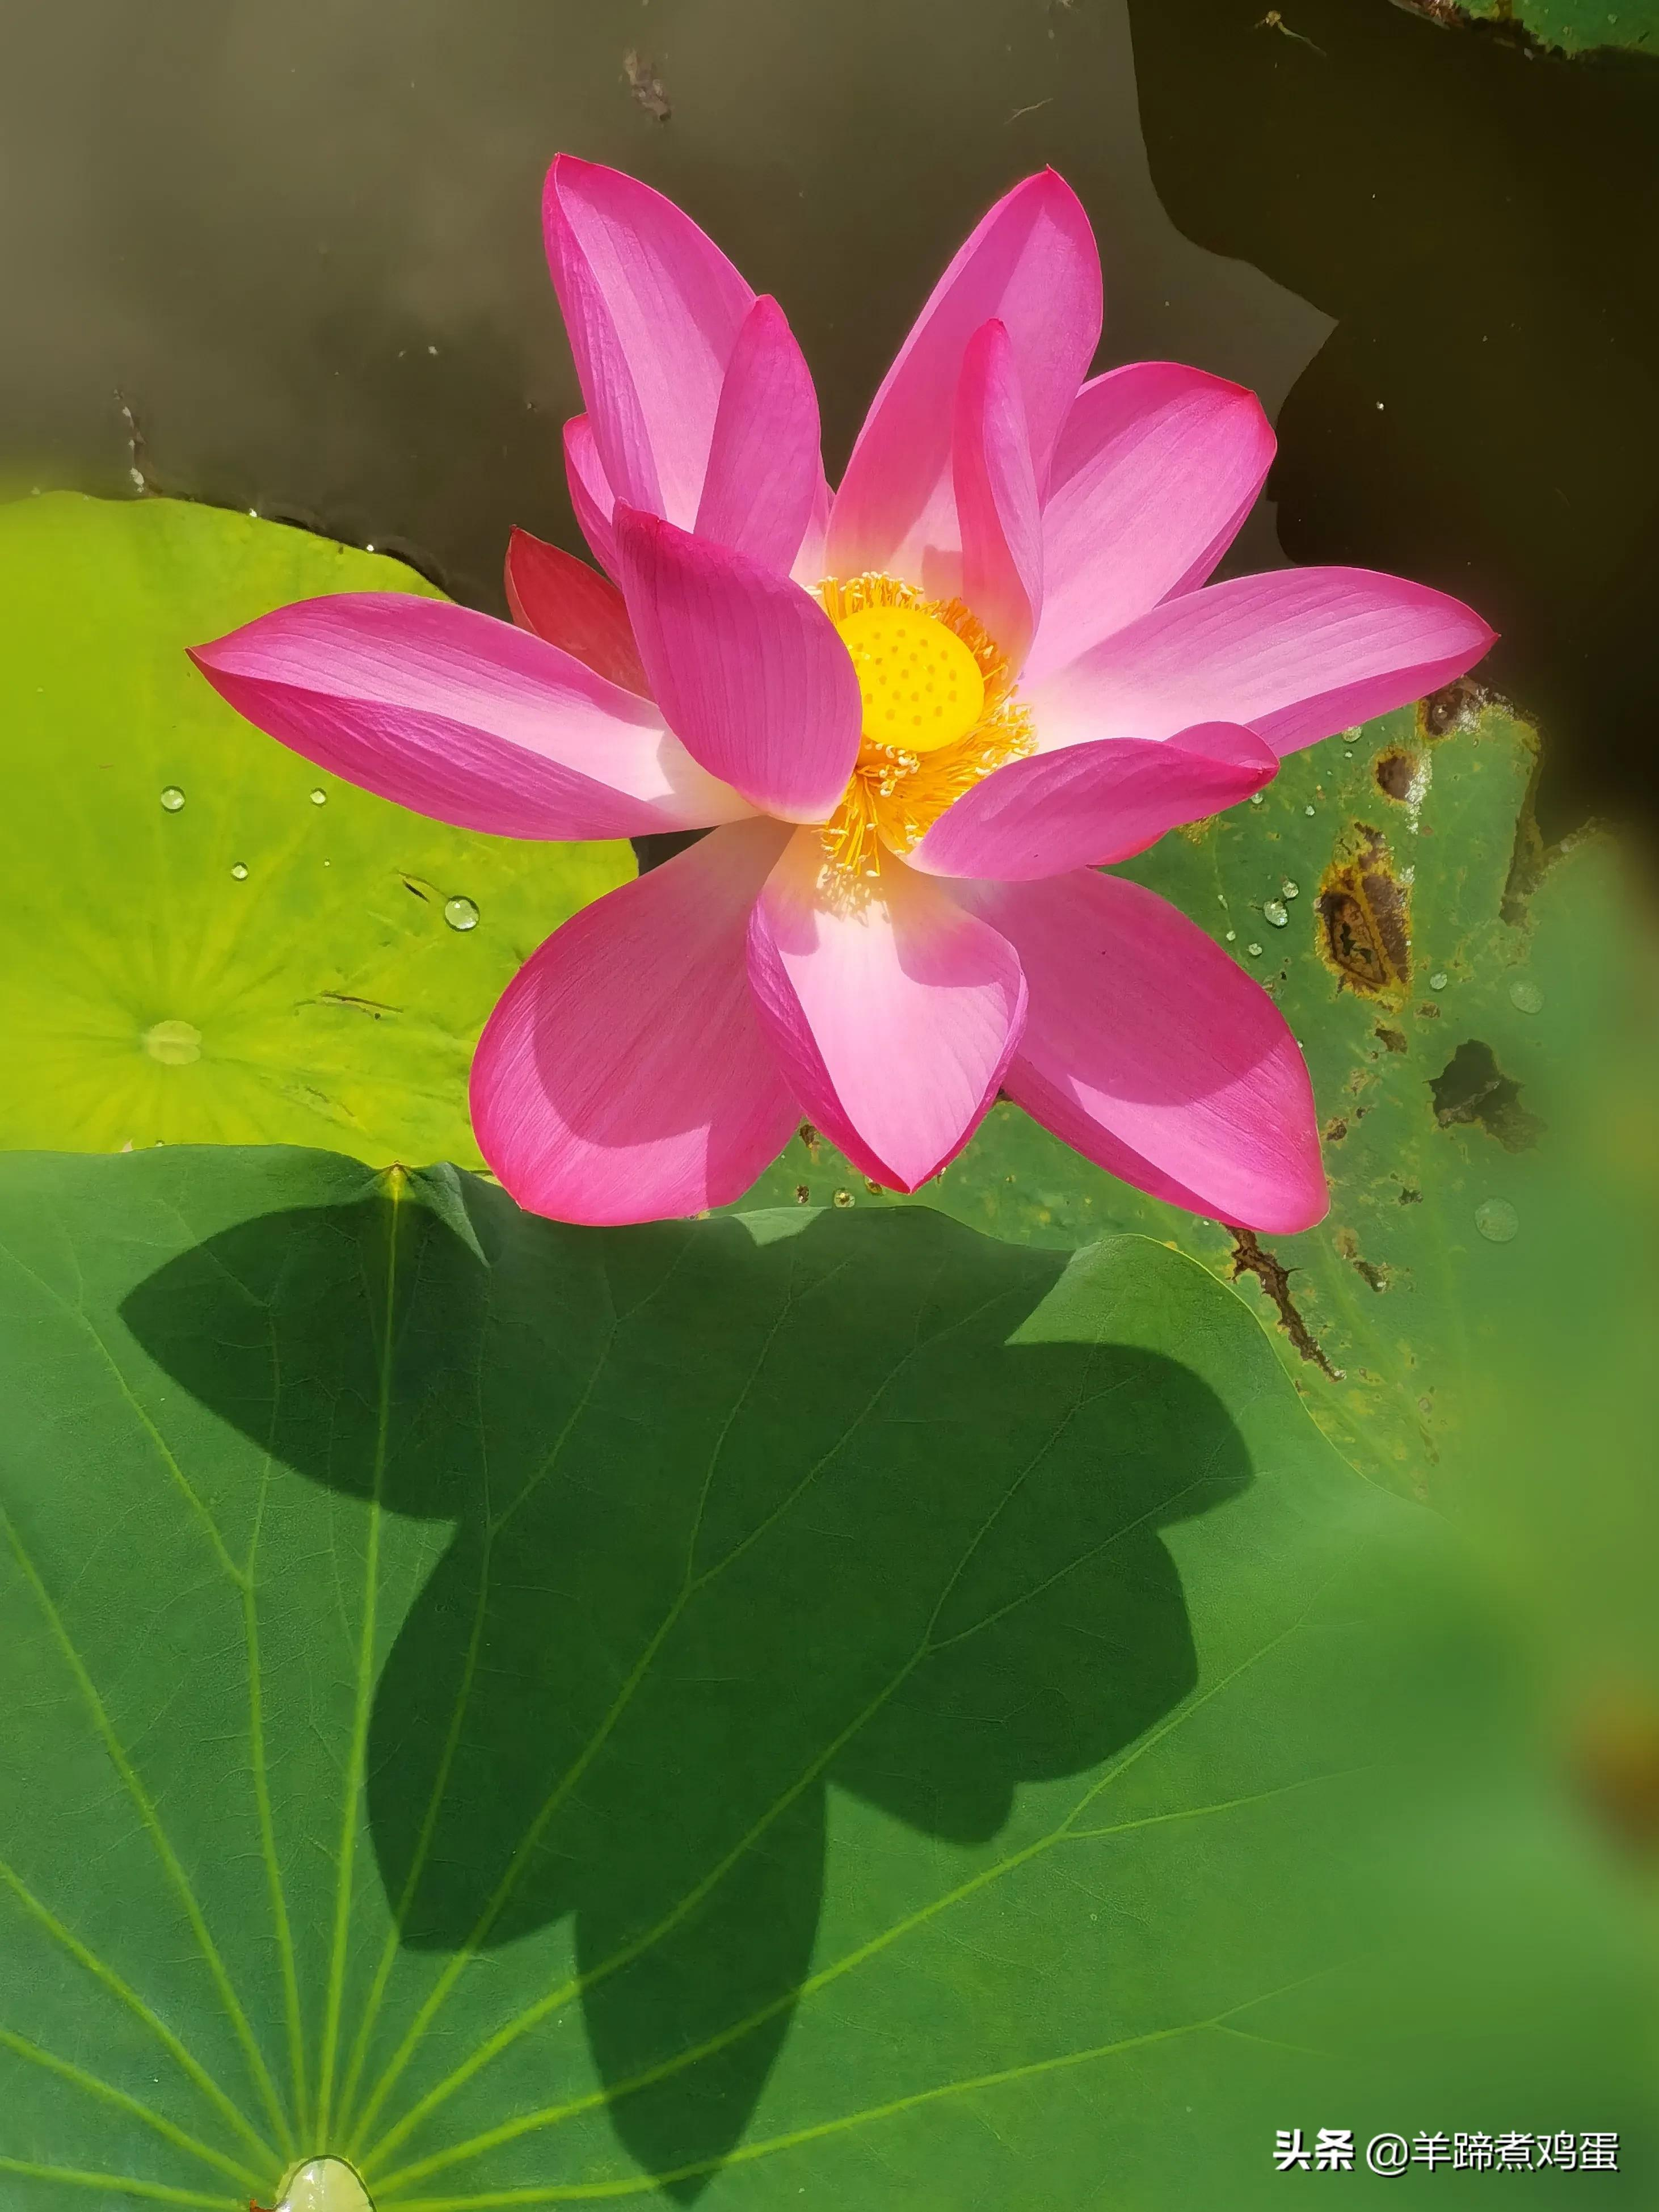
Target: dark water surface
(302, 244)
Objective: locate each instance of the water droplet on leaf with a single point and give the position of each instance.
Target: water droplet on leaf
(1497, 1220)
(239, 869)
(1438, 981)
(1254, 951)
(319, 796)
(173, 798)
(1291, 890)
(1274, 913)
(1525, 996)
(175, 1044)
(1256, 798)
(460, 914)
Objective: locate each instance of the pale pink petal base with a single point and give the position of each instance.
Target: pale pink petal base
(895, 1014)
(1149, 1052)
(1088, 803)
(624, 1075)
(463, 718)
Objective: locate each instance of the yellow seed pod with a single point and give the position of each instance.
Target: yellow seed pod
(920, 685)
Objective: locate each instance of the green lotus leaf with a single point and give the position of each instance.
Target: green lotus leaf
(1470, 1007)
(814, 1707)
(1570, 26)
(206, 939)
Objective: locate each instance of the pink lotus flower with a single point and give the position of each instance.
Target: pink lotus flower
(917, 713)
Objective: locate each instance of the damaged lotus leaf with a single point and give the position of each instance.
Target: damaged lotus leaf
(826, 1708)
(205, 939)
(1473, 1011)
(1567, 26)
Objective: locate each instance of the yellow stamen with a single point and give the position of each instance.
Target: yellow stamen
(939, 715)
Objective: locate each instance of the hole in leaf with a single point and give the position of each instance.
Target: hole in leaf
(1473, 1088)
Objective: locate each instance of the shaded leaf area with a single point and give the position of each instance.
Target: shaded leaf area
(270, 955)
(840, 1706)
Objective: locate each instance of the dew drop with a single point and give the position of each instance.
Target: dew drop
(843, 1198)
(1254, 951)
(460, 914)
(1288, 889)
(1497, 1220)
(324, 2185)
(239, 869)
(319, 797)
(1308, 811)
(1525, 996)
(174, 1044)
(1438, 981)
(173, 798)
(1274, 913)
(1232, 937)
(1256, 798)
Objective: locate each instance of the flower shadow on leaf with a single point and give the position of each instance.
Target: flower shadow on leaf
(736, 1518)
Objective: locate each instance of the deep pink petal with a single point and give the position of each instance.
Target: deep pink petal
(652, 308)
(462, 718)
(1297, 654)
(1148, 1051)
(997, 504)
(573, 606)
(1031, 264)
(1089, 804)
(893, 1014)
(764, 466)
(624, 1075)
(747, 669)
(1157, 467)
(591, 495)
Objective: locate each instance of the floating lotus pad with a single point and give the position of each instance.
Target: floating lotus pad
(205, 939)
(828, 1710)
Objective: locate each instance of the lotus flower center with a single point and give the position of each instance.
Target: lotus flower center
(920, 685)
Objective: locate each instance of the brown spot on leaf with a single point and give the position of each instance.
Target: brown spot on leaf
(1348, 1248)
(1473, 1088)
(1394, 1039)
(802, 1193)
(1396, 773)
(1251, 1257)
(1365, 919)
(1455, 706)
(1335, 1129)
(1617, 1760)
(1410, 1196)
(809, 1137)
